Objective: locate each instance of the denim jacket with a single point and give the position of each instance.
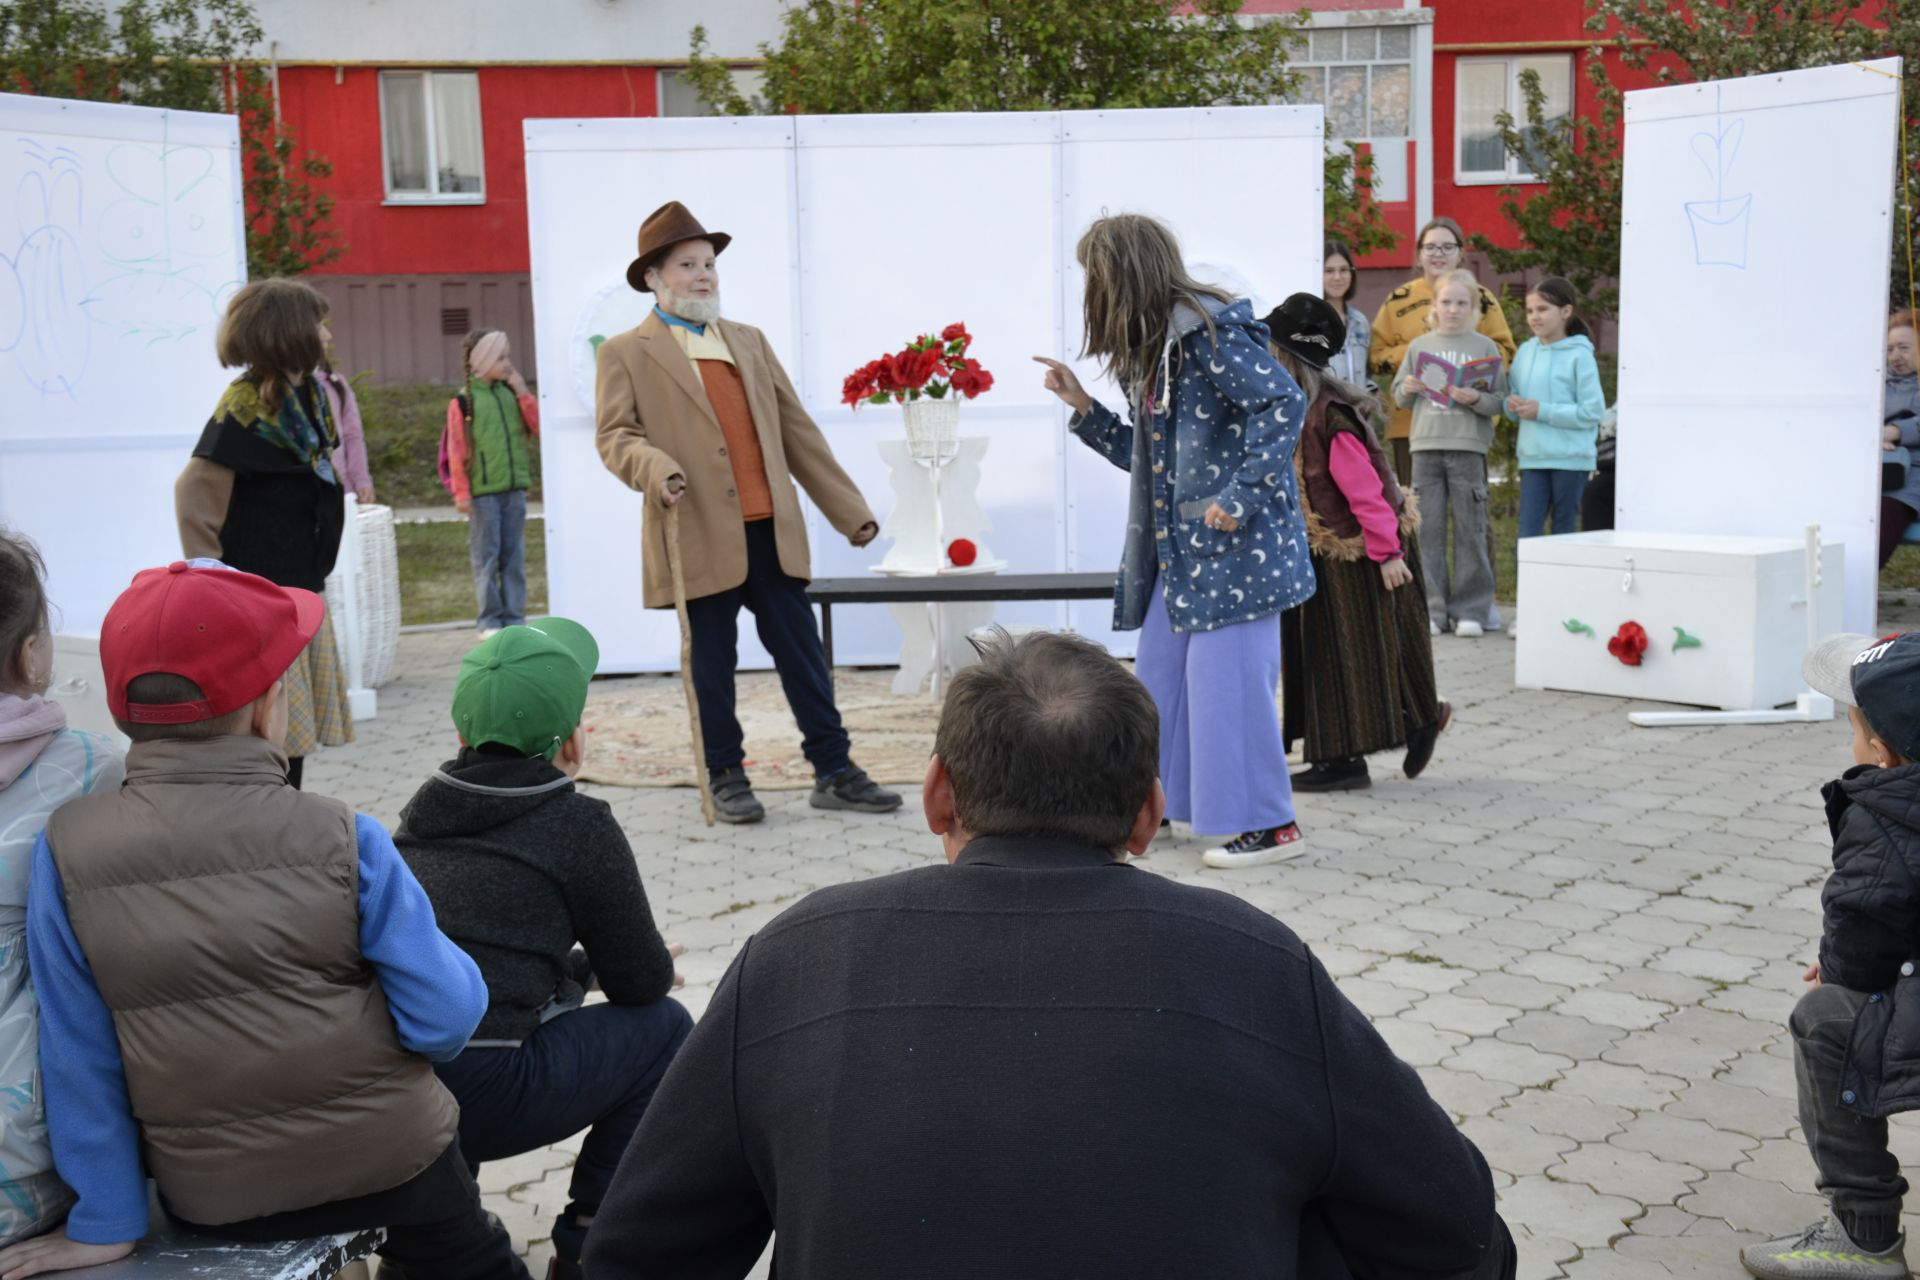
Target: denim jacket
(1226, 434)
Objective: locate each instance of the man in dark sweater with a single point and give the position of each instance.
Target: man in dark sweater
(520, 866)
(1039, 1061)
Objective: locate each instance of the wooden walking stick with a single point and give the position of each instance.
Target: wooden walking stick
(686, 663)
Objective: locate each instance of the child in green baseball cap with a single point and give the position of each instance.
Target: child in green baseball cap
(520, 866)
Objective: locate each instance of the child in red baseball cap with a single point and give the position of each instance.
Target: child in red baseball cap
(241, 985)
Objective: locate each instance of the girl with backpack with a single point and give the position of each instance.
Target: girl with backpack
(487, 460)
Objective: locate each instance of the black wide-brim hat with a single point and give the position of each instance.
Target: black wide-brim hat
(671, 224)
(1307, 326)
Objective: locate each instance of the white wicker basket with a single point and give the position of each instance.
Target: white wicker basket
(933, 427)
(377, 596)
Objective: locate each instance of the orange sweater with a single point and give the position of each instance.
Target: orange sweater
(728, 395)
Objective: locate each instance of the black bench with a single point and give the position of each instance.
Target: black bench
(951, 589)
(172, 1252)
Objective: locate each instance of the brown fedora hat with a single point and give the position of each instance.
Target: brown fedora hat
(664, 228)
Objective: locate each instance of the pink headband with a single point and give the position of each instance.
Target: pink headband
(486, 351)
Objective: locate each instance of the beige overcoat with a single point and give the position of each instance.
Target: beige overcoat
(653, 420)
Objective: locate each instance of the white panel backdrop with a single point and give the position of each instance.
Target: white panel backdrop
(121, 239)
(1757, 225)
(851, 235)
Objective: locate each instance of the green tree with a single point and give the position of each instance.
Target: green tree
(1571, 223)
(848, 56)
(188, 55)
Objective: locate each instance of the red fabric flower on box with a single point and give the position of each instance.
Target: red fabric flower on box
(1629, 643)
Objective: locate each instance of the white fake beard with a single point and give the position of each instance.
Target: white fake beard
(692, 310)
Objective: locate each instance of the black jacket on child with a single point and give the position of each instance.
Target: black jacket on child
(1872, 931)
(520, 866)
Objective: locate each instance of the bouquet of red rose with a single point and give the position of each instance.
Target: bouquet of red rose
(928, 366)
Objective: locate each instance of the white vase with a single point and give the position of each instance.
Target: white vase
(933, 427)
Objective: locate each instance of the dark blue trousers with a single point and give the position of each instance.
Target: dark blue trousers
(595, 1068)
(787, 628)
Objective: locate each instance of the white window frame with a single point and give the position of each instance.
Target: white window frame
(1516, 106)
(1411, 62)
(432, 144)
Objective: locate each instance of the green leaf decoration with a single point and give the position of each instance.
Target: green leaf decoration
(1682, 640)
(595, 341)
(1578, 627)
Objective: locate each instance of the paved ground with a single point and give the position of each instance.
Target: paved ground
(1586, 937)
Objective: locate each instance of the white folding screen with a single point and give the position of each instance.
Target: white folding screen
(1753, 287)
(121, 240)
(851, 235)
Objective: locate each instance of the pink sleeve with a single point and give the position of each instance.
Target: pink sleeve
(530, 412)
(1353, 471)
(353, 440)
(457, 451)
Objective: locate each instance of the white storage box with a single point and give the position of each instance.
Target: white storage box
(1743, 599)
(79, 686)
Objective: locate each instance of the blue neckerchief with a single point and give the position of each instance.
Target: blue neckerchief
(688, 325)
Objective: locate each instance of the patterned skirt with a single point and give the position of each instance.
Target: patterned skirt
(1358, 665)
(317, 714)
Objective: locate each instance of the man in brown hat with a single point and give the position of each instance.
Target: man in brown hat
(695, 411)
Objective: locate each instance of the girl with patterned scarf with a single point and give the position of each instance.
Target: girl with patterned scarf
(261, 493)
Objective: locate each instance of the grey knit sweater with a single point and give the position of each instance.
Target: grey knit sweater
(520, 866)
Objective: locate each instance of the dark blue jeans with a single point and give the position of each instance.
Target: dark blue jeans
(787, 628)
(497, 553)
(594, 1068)
(1555, 493)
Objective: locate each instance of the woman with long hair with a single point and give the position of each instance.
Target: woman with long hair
(261, 492)
(1339, 279)
(1215, 547)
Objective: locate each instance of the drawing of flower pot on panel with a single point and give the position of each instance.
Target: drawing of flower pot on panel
(1720, 225)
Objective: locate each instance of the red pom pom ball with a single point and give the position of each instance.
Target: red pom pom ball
(961, 552)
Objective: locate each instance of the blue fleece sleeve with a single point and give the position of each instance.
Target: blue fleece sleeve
(1106, 433)
(1584, 412)
(434, 989)
(1249, 376)
(96, 1142)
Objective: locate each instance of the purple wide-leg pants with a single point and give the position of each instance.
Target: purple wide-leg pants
(1222, 760)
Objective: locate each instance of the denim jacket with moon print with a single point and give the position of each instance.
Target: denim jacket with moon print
(1225, 433)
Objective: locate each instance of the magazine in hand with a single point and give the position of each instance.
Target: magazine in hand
(1436, 374)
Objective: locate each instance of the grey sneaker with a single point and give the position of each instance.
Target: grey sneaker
(851, 788)
(733, 797)
(1824, 1251)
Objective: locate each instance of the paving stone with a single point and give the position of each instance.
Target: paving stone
(1682, 1140)
(1635, 1175)
(1619, 1086)
(1515, 1148)
(1613, 1009)
(1753, 1204)
(1575, 1212)
(1458, 1013)
(1551, 1111)
(1698, 962)
(1555, 1033)
(1513, 1063)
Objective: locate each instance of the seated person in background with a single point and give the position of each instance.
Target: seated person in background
(43, 765)
(1900, 507)
(520, 866)
(241, 983)
(1855, 1030)
(1039, 1061)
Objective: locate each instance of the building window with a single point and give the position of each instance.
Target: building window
(430, 125)
(678, 98)
(1363, 76)
(1488, 86)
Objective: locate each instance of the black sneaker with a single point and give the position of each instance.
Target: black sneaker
(733, 797)
(1253, 848)
(1337, 775)
(1420, 746)
(851, 788)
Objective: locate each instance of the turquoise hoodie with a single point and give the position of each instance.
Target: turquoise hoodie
(1565, 380)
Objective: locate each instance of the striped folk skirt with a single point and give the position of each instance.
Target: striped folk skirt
(1358, 665)
(317, 714)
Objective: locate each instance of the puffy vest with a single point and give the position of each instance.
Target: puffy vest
(498, 461)
(219, 911)
(1333, 531)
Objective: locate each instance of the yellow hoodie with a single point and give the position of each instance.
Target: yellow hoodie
(1402, 318)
